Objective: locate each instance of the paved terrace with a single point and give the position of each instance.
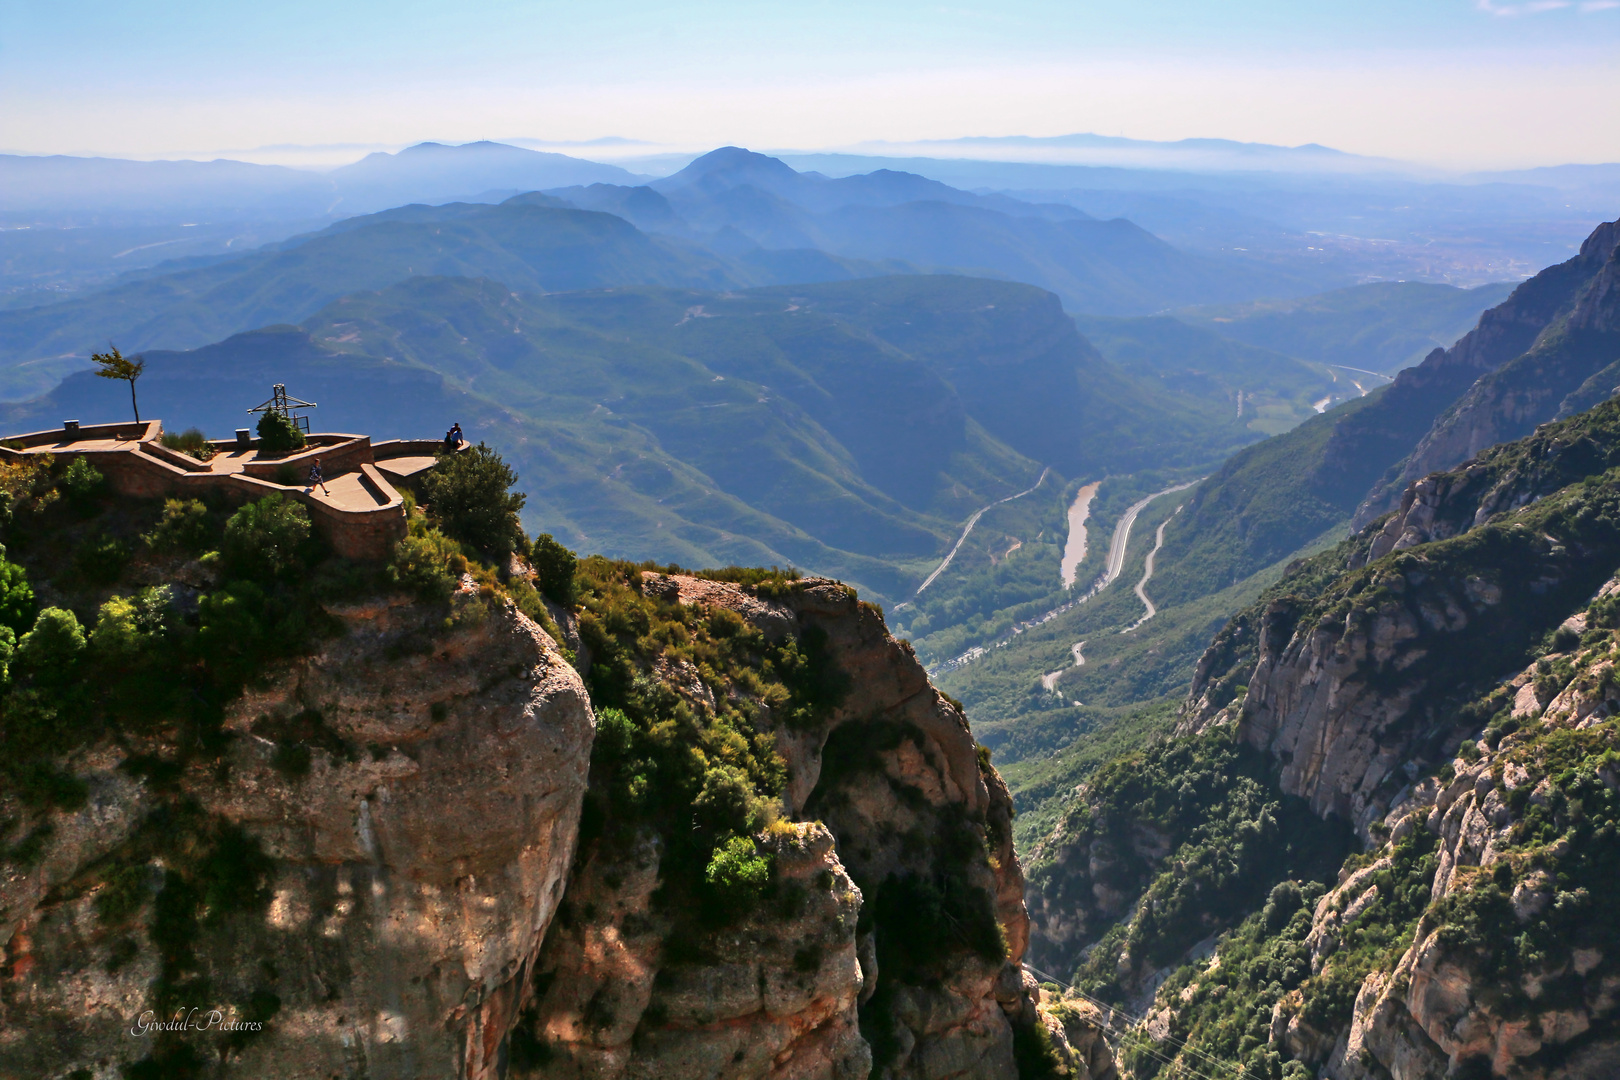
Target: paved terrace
(360, 512)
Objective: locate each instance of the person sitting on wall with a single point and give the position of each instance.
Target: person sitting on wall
(316, 479)
(454, 439)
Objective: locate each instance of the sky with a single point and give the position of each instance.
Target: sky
(1454, 84)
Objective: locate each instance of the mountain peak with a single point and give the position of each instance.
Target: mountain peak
(738, 164)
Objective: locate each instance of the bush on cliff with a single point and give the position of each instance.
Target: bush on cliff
(554, 567)
(51, 650)
(265, 539)
(469, 495)
(184, 527)
(17, 606)
(427, 564)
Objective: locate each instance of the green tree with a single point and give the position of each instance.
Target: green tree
(52, 648)
(553, 568)
(114, 365)
(470, 495)
(183, 527)
(279, 435)
(17, 607)
(427, 565)
(264, 539)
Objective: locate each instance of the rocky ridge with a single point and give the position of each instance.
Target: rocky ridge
(1444, 684)
(423, 834)
(894, 774)
(1516, 370)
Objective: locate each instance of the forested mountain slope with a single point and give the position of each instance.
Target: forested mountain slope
(1442, 686)
(847, 430)
(1271, 498)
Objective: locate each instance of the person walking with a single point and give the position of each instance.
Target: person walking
(316, 478)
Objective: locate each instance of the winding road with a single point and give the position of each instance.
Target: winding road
(1117, 549)
(1147, 575)
(972, 521)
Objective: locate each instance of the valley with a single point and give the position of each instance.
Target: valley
(1308, 771)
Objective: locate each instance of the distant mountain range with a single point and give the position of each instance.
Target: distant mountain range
(87, 191)
(847, 427)
(730, 219)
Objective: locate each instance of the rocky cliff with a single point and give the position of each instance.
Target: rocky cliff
(888, 938)
(1530, 354)
(1438, 691)
(1355, 687)
(411, 864)
(719, 828)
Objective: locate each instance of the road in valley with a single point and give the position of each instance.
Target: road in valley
(1147, 575)
(1117, 549)
(972, 521)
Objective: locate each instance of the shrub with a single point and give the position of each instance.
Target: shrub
(553, 568)
(127, 624)
(184, 526)
(736, 876)
(427, 565)
(17, 606)
(264, 539)
(190, 441)
(279, 435)
(52, 648)
(80, 481)
(469, 495)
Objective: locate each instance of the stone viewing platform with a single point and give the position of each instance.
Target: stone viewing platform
(360, 513)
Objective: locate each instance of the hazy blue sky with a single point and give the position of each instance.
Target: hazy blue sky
(1451, 82)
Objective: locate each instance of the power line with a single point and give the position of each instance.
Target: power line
(1110, 1011)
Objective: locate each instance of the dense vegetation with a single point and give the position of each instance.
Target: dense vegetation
(702, 779)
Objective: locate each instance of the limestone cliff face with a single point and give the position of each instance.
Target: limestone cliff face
(895, 777)
(1440, 1007)
(416, 791)
(1527, 356)
(1354, 690)
(388, 860)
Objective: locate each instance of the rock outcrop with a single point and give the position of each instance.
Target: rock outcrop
(1355, 690)
(411, 795)
(412, 852)
(1445, 1002)
(829, 984)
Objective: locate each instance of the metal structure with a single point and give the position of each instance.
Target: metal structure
(287, 407)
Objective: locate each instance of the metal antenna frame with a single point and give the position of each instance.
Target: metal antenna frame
(286, 406)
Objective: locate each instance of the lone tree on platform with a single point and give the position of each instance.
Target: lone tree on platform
(113, 365)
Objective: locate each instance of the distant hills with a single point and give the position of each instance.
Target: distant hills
(112, 191)
(1383, 326)
(730, 219)
(844, 427)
